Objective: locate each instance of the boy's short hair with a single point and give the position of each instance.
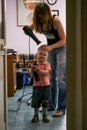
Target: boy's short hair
(42, 48)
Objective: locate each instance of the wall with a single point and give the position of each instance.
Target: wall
(16, 38)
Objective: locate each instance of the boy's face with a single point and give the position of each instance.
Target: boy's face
(42, 55)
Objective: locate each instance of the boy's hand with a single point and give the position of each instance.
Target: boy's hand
(35, 68)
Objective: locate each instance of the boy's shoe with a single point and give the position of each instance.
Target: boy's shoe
(35, 119)
(46, 119)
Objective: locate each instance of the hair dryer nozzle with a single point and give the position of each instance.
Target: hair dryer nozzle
(30, 33)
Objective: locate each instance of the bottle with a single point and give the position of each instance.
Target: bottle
(37, 77)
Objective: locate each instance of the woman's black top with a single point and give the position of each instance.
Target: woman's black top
(52, 36)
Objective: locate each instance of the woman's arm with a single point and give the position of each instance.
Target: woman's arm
(60, 30)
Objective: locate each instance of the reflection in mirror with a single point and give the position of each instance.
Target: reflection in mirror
(23, 53)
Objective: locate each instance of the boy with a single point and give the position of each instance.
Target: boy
(41, 85)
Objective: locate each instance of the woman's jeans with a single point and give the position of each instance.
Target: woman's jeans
(57, 59)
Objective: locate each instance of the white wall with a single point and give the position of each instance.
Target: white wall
(16, 39)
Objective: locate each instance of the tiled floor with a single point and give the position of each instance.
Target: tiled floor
(21, 119)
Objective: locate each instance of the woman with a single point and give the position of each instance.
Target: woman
(50, 25)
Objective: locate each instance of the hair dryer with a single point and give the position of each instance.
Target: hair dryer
(30, 33)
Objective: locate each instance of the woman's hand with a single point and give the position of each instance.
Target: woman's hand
(47, 48)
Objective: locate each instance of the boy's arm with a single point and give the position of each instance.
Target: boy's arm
(46, 71)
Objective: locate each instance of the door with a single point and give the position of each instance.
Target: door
(3, 87)
(3, 69)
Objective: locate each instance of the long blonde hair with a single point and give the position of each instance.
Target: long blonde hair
(42, 18)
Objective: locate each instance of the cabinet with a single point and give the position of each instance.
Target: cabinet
(11, 74)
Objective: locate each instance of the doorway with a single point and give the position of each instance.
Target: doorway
(71, 117)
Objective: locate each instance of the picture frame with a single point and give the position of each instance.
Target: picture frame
(55, 12)
(24, 14)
